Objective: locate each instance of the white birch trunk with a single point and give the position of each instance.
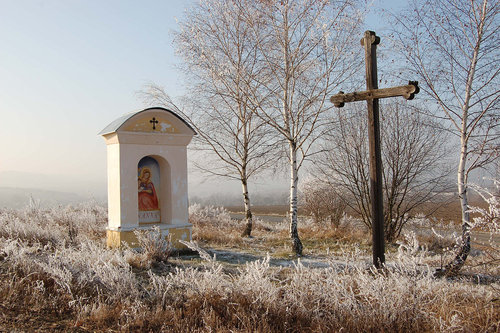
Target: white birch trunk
(294, 179)
(457, 263)
(462, 254)
(248, 210)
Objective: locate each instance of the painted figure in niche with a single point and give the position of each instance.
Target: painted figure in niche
(148, 200)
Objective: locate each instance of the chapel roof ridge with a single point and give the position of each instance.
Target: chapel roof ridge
(117, 123)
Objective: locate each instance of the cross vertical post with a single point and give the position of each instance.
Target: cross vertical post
(370, 42)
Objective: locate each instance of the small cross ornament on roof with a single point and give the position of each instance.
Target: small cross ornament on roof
(154, 122)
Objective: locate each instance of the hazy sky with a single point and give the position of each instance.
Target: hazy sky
(68, 68)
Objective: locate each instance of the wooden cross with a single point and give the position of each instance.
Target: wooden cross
(371, 95)
(154, 122)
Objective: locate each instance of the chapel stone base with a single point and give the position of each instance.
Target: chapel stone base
(118, 238)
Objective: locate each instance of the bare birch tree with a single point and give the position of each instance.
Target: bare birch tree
(220, 59)
(452, 45)
(415, 168)
(308, 49)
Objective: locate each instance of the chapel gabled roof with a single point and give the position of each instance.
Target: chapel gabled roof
(116, 124)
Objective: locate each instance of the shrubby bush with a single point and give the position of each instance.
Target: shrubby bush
(213, 224)
(154, 248)
(322, 202)
(488, 218)
(199, 215)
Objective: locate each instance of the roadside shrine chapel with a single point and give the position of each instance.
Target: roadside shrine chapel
(147, 176)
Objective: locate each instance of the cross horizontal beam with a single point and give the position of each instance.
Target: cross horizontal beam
(408, 92)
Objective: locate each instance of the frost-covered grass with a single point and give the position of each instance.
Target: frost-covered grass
(214, 228)
(57, 275)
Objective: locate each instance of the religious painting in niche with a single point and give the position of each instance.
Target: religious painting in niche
(148, 181)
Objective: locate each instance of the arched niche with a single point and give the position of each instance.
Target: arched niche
(148, 190)
(154, 190)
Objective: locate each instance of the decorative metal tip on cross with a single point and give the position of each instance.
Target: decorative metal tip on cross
(416, 91)
(338, 100)
(371, 37)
